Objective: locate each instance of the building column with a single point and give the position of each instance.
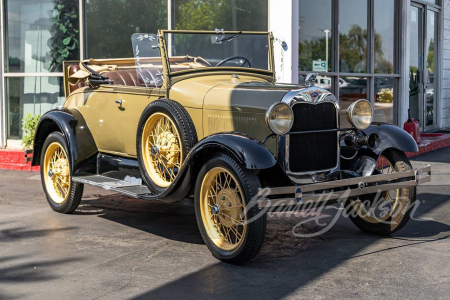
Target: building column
(283, 23)
(404, 57)
(2, 98)
(443, 115)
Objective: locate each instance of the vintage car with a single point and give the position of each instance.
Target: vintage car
(198, 114)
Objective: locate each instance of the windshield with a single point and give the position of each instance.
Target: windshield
(204, 50)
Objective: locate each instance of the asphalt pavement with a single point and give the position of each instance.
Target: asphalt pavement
(115, 247)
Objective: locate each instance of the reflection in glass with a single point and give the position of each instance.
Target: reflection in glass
(40, 34)
(384, 100)
(384, 36)
(110, 24)
(430, 65)
(249, 15)
(415, 64)
(351, 89)
(34, 95)
(191, 51)
(353, 36)
(315, 35)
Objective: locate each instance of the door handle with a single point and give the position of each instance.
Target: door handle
(119, 102)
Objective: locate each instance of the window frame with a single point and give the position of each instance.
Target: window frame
(5, 75)
(335, 73)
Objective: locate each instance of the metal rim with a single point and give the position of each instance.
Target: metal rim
(222, 207)
(391, 199)
(161, 149)
(57, 173)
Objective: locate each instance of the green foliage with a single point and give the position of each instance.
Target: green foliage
(111, 23)
(352, 52)
(64, 42)
(386, 95)
(29, 123)
(210, 14)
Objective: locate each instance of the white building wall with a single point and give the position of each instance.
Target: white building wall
(283, 23)
(445, 108)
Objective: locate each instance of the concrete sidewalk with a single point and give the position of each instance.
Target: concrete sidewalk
(119, 248)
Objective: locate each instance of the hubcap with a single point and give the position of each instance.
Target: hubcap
(215, 210)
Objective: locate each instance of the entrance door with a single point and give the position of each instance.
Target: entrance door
(423, 65)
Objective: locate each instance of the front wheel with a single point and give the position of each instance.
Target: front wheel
(232, 228)
(386, 212)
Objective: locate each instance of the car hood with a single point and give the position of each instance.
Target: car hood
(222, 92)
(253, 96)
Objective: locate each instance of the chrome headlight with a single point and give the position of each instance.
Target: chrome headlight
(360, 114)
(280, 118)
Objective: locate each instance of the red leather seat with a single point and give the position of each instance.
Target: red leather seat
(134, 77)
(72, 69)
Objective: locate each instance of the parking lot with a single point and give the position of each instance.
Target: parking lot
(115, 247)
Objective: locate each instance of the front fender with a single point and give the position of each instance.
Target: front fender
(391, 136)
(250, 152)
(72, 125)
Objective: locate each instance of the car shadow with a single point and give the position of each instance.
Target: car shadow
(285, 264)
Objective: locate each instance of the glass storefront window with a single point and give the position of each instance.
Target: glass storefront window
(249, 15)
(353, 36)
(110, 25)
(351, 89)
(34, 95)
(384, 100)
(40, 34)
(384, 14)
(315, 30)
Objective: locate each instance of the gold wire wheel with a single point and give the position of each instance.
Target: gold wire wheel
(222, 208)
(387, 203)
(57, 173)
(161, 149)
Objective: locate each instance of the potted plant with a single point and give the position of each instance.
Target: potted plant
(29, 124)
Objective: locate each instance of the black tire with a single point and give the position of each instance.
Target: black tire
(186, 129)
(407, 197)
(76, 189)
(255, 232)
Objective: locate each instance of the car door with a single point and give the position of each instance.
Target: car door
(101, 113)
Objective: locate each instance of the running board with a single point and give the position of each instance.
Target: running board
(131, 189)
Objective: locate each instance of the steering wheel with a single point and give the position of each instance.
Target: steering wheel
(246, 61)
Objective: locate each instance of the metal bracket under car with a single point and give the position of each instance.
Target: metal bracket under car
(334, 190)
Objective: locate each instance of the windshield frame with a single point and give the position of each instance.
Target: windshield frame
(165, 54)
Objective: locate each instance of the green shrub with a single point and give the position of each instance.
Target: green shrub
(29, 123)
(386, 96)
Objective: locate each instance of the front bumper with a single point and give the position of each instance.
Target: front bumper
(341, 189)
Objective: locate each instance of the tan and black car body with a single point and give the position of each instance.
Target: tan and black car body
(199, 114)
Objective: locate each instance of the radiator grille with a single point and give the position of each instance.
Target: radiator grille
(314, 151)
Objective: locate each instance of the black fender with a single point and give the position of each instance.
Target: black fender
(76, 132)
(249, 152)
(391, 136)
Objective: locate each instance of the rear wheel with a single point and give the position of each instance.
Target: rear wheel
(232, 230)
(62, 193)
(389, 211)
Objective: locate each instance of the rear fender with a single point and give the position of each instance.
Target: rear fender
(71, 124)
